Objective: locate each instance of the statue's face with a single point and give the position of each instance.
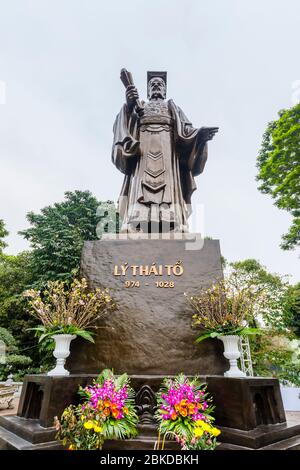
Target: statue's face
(156, 88)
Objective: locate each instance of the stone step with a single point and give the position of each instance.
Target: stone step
(52, 445)
(28, 429)
(226, 446)
(262, 436)
(293, 443)
(10, 441)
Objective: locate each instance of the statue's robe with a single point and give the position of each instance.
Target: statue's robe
(159, 153)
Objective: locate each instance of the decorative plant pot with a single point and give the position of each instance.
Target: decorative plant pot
(232, 353)
(61, 352)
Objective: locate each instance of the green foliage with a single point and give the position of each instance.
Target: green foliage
(292, 308)
(276, 355)
(15, 277)
(15, 274)
(58, 232)
(267, 292)
(20, 374)
(44, 332)
(56, 235)
(3, 234)
(278, 166)
(14, 362)
(8, 340)
(18, 360)
(235, 331)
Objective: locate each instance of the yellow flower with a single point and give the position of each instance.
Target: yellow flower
(215, 432)
(206, 427)
(82, 418)
(198, 432)
(97, 428)
(88, 425)
(200, 422)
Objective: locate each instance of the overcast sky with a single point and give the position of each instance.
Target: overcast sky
(230, 63)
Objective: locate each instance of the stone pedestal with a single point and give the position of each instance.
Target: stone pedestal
(249, 411)
(151, 332)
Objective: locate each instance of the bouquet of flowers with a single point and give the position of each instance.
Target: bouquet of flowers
(184, 412)
(107, 412)
(223, 309)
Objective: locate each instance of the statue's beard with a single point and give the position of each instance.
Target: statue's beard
(157, 94)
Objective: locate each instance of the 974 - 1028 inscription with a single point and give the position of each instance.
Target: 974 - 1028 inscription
(159, 284)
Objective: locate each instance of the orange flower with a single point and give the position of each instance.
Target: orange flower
(107, 411)
(125, 410)
(183, 412)
(173, 415)
(115, 413)
(177, 407)
(106, 403)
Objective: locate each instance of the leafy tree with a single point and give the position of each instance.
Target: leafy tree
(268, 292)
(277, 309)
(15, 277)
(292, 308)
(278, 164)
(56, 235)
(58, 232)
(276, 355)
(3, 234)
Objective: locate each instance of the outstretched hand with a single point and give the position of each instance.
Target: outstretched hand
(208, 133)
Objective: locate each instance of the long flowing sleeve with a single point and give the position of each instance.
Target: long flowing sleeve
(191, 149)
(125, 144)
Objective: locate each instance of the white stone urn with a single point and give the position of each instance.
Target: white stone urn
(232, 353)
(61, 352)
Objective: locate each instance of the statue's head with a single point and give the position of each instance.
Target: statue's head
(157, 85)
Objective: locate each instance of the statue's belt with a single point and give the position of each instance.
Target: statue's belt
(156, 120)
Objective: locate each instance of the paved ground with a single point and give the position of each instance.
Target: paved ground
(292, 414)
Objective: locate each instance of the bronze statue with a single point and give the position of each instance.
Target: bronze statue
(160, 153)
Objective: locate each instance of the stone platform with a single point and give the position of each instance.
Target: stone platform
(151, 331)
(248, 411)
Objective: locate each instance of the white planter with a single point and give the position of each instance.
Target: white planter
(290, 398)
(61, 352)
(232, 353)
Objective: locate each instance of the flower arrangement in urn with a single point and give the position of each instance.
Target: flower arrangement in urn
(107, 412)
(67, 312)
(224, 311)
(184, 412)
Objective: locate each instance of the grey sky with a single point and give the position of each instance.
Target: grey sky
(230, 63)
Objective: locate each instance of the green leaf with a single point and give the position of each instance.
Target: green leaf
(203, 337)
(85, 335)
